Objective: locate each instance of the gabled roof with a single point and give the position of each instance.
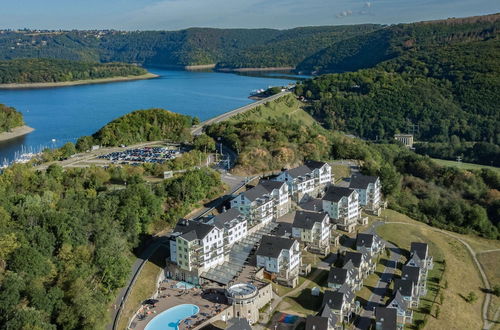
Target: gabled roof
(350, 268)
(271, 246)
(313, 204)
(256, 192)
(359, 181)
(271, 185)
(398, 300)
(316, 322)
(328, 313)
(238, 324)
(348, 293)
(338, 275)
(404, 286)
(365, 240)
(333, 299)
(386, 317)
(335, 194)
(419, 249)
(355, 257)
(192, 230)
(410, 273)
(307, 219)
(302, 170)
(415, 259)
(222, 219)
(314, 164)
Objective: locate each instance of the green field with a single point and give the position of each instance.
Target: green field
(464, 166)
(286, 106)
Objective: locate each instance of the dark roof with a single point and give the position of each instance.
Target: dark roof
(365, 240)
(191, 230)
(226, 217)
(335, 194)
(271, 246)
(313, 164)
(256, 192)
(355, 257)
(398, 299)
(337, 275)
(271, 185)
(307, 219)
(313, 204)
(410, 273)
(359, 181)
(386, 317)
(238, 324)
(347, 291)
(329, 314)
(403, 286)
(420, 249)
(283, 229)
(333, 299)
(316, 322)
(302, 170)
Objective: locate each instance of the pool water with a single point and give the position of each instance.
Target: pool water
(184, 285)
(171, 318)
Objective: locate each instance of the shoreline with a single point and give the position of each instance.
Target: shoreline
(276, 68)
(16, 132)
(77, 82)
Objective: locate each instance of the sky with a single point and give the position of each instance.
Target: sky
(180, 14)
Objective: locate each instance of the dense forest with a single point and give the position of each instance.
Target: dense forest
(22, 71)
(140, 126)
(9, 118)
(195, 46)
(463, 201)
(438, 93)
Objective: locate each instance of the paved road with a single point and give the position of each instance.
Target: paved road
(199, 129)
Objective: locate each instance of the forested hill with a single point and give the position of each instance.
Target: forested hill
(369, 49)
(52, 70)
(9, 118)
(195, 46)
(446, 95)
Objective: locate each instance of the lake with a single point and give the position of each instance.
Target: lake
(61, 115)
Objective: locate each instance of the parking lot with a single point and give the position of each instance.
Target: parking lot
(157, 155)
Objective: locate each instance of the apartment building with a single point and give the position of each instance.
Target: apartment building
(342, 206)
(313, 230)
(369, 190)
(233, 224)
(281, 259)
(195, 247)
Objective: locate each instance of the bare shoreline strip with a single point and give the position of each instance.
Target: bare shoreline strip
(16, 132)
(77, 82)
(277, 68)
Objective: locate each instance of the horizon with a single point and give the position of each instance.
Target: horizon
(174, 15)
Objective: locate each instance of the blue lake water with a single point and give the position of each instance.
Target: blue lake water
(66, 113)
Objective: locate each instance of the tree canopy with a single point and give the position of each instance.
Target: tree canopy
(9, 118)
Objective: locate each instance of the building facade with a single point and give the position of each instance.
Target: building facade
(313, 230)
(342, 205)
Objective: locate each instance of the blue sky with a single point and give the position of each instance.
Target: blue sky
(179, 14)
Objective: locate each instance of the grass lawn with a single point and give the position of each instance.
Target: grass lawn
(491, 266)
(341, 171)
(286, 106)
(461, 276)
(144, 287)
(464, 166)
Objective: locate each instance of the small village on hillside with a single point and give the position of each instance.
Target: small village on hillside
(300, 230)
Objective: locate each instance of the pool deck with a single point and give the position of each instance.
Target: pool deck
(169, 296)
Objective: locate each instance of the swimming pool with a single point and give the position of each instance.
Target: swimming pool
(171, 318)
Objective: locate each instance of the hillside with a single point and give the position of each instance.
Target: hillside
(9, 118)
(449, 198)
(140, 126)
(195, 46)
(25, 71)
(369, 49)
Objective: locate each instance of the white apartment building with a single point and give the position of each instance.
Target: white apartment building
(233, 224)
(281, 257)
(195, 247)
(342, 206)
(306, 180)
(313, 230)
(369, 190)
(266, 201)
